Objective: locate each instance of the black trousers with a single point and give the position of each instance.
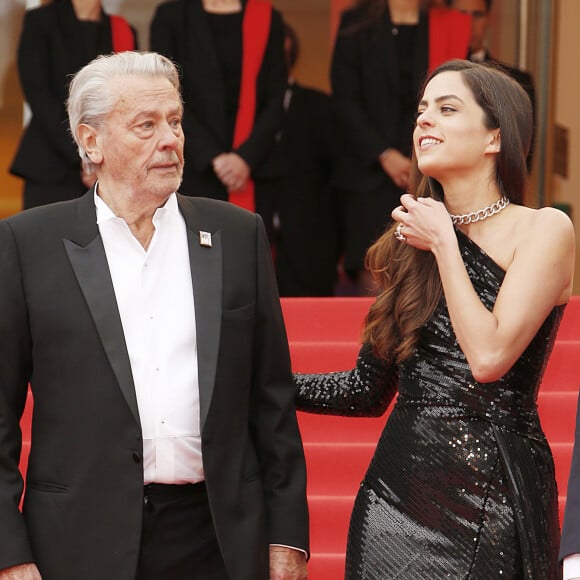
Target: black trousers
(178, 538)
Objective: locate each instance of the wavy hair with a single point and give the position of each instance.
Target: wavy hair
(408, 279)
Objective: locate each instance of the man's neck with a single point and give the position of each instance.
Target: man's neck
(137, 215)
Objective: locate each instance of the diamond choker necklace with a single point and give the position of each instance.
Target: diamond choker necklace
(481, 214)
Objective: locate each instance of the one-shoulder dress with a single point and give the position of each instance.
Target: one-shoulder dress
(461, 484)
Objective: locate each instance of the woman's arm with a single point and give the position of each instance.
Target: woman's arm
(364, 391)
(538, 277)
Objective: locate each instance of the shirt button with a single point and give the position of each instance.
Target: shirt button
(136, 456)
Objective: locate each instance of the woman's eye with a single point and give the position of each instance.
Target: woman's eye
(447, 109)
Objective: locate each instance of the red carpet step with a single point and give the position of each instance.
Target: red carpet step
(324, 335)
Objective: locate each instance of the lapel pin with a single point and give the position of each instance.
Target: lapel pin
(205, 239)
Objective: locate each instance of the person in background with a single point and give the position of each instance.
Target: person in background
(382, 52)
(479, 10)
(295, 191)
(472, 291)
(165, 444)
(231, 56)
(56, 41)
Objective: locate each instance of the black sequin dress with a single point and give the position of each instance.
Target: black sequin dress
(462, 483)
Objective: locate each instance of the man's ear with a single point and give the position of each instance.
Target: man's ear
(494, 145)
(89, 140)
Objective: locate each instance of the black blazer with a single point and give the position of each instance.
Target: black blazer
(366, 97)
(60, 329)
(300, 168)
(49, 53)
(180, 31)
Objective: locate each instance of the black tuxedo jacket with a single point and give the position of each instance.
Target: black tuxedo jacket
(50, 51)
(60, 329)
(366, 97)
(180, 31)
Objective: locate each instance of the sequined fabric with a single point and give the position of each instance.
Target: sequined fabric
(461, 484)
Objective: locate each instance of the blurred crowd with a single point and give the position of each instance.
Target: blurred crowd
(324, 171)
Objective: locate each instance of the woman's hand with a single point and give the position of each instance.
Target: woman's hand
(425, 223)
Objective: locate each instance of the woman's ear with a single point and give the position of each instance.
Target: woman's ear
(88, 138)
(494, 145)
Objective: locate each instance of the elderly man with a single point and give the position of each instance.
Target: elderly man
(164, 440)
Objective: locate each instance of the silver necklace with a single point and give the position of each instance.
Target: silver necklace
(481, 214)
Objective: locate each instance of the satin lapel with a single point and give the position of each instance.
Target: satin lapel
(87, 256)
(206, 272)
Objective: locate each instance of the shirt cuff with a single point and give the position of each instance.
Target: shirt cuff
(572, 567)
(292, 548)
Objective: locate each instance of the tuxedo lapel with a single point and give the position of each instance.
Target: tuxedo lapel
(87, 256)
(206, 272)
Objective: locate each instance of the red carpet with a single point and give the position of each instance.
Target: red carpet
(324, 336)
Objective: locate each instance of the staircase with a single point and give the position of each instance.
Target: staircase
(324, 335)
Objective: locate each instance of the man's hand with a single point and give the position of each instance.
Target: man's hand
(231, 170)
(21, 572)
(287, 564)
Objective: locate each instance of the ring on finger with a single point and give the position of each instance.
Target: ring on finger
(399, 233)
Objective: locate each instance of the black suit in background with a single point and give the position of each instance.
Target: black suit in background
(53, 46)
(375, 77)
(295, 190)
(181, 31)
(61, 329)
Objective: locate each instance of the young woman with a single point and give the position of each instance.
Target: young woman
(472, 290)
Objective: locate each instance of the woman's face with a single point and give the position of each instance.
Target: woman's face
(450, 134)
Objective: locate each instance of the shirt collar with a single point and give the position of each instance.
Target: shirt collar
(168, 210)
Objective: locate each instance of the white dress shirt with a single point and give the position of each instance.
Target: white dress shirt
(572, 567)
(154, 294)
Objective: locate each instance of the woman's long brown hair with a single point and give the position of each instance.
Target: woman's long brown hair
(408, 281)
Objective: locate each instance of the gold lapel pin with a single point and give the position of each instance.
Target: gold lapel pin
(205, 239)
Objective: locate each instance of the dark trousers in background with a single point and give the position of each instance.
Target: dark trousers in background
(178, 539)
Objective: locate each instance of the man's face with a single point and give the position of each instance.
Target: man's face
(140, 144)
(479, 20)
